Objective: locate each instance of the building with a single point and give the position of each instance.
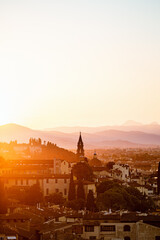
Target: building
(119, 227)
(121, 172)
(49, 184)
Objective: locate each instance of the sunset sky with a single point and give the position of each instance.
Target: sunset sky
(80, 62)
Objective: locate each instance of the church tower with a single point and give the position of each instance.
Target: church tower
(80, 149)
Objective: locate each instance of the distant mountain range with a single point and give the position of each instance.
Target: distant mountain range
(130, 135)
(127, 126)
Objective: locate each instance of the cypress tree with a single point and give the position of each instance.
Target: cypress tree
(80, 190)
(72, 191)
(158, 180)
(90, 205)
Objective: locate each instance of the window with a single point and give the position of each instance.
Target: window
(89, 228)
(108, 228)
(127, 228)
(56, 180)
(21, 182)
(26, 181)
(47, 180)
(92, 237)
(127, 238)
(157, 238)
(47, 191)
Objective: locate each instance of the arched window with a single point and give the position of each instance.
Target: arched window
(127, 238)
(127, 228)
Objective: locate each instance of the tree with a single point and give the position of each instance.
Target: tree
(83, 171)
(112, 195)
(34, 195)
(90, 204)
(77, 204)
(106, 185)
(56, 198)
(72, 191)
(80, 190)
(109, 165)
(110, 199)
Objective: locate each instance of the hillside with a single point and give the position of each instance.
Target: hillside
(99, 139)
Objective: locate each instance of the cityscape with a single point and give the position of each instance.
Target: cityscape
(80, 120)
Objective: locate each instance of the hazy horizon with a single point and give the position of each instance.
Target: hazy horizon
(128, 123)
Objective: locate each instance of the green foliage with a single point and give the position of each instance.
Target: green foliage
(29, 195)
(53, 151)
(109, 165)
(34, 195)
(80, 190)
(110, 199)
(76, 205)
(72, 191)
(56, 198)
(117, 197)
(83, 171)
(90, 204)
(106, 185)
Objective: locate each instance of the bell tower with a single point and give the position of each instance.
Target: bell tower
(80, 149)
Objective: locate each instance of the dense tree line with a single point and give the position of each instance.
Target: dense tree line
(113, 196)
(82, 171)
(30, 195)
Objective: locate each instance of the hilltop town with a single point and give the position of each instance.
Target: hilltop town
(52, 193)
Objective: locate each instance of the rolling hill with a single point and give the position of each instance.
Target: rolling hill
(96, 139)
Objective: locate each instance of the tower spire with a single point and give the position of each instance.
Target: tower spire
(80, 149)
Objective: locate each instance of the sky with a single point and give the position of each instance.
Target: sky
(83, 62)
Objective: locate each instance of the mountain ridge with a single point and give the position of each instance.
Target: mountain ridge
(100, 139)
